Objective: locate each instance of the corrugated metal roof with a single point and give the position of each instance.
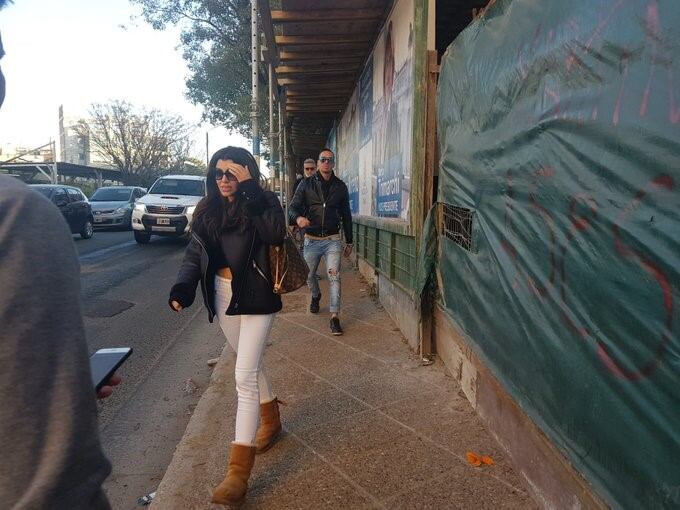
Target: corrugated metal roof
(321, 47)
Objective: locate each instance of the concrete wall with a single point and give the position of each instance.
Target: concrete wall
(552, 479)
(397, 302)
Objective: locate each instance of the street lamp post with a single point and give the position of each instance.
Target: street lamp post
(255, 52)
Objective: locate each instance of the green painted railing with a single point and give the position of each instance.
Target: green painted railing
(391, 253)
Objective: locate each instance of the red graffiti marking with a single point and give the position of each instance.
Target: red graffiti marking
(603, 24)
(509, 226)
(654, 38)
(555, 96)
(579, 223)
(625, 58)
(509, 197)
(547, 218)
(571, 56)
(610, 361)
(537, 37)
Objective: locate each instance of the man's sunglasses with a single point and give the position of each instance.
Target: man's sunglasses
(326, 160)
(309, 169)
(219, 174)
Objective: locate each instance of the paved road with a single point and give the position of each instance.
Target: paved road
(124, 293)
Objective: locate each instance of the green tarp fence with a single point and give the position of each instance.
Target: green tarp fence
(559, 126)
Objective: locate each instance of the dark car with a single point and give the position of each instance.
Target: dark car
(112, 206)
(72, 204)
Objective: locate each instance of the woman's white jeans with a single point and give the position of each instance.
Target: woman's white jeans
(247, 335)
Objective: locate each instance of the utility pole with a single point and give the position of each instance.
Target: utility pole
(55, 175)
(278, 175)
(282, 157)
(207, 152)
(255, 47)
(285, 158)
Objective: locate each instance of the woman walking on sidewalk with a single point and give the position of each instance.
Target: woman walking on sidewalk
(232, 229)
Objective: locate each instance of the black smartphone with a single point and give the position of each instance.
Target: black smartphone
(105, 362)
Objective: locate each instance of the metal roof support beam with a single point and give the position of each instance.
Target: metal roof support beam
(310, 69)
(359, 40)
(315, 16)
(329, 55)
(345, 83)
(298, 94)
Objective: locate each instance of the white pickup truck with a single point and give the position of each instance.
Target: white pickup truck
(167, 209)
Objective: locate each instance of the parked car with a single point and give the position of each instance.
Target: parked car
(112, 206)
(168, 208)
(73, 205)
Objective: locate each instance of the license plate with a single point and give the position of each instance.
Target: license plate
(163, 221)
(97, 220)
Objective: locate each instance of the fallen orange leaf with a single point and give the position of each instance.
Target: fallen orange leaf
(487, 460)
(473, 459)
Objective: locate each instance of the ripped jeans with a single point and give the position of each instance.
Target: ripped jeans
(331, 248)
(247, 335)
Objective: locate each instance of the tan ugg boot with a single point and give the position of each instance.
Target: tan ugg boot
(270, 425)
(232, 490)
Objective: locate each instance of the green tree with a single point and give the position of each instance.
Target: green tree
(215, 41)
(194, 166)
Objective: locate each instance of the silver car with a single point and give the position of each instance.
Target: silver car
(112, 206)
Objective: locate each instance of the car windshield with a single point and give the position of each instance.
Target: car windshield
(111, 195)
(177, 187)
(44, 190)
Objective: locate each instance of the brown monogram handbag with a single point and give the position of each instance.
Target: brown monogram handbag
(289, 269)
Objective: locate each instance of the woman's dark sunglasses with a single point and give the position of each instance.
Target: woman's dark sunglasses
(219, 174)
(326, 160)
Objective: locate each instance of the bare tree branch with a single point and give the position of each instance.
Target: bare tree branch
(142, 144)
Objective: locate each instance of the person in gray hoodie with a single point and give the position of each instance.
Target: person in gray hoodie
(49, 443)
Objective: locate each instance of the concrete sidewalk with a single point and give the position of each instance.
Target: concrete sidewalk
(366, 425)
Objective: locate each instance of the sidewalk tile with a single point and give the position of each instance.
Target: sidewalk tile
(291, 384)
(330, 360)
(390, 469)
(316, 411)
(318, 487)
(462, 488)
(450, 422)
(352, 434)
(385, 385)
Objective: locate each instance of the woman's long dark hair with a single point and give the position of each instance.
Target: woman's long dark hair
(214, 213)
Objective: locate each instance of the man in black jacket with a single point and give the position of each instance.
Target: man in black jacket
(321, 207)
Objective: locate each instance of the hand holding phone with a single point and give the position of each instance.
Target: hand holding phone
(107, 390)
(105, 362)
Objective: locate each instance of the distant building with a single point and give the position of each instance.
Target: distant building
(75, 145)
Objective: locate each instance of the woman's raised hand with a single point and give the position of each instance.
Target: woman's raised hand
(240, 172)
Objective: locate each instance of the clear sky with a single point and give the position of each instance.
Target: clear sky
(76, 52)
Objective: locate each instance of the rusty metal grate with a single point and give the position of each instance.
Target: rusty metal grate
(457, 225)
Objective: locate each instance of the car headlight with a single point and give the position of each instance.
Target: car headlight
(140, 207)
(191, 209)
(121, 210)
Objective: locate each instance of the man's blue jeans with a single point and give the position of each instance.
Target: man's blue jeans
(331, 248)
